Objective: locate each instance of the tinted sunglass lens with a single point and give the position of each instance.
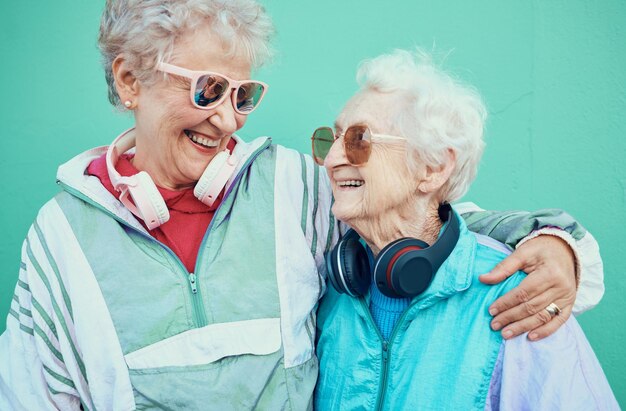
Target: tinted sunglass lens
(323, 139)
(357, 145)
(210, 89)
(248, 96)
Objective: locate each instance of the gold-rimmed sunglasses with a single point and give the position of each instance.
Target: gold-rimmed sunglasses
(357, 143)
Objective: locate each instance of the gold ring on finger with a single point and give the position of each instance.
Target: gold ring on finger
(553, 310)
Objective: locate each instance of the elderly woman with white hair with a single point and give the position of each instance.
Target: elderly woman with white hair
(405, 325)
(181, 266)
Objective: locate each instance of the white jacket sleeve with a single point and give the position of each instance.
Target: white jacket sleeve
(34, 348)
(514, 228)
(319, 224)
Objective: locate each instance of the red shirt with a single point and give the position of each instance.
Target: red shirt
(189, 217)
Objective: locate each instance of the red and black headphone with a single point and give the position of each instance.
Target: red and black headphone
(404, 268)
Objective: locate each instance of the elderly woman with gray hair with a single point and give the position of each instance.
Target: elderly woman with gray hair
(181, 266)
(405, 325)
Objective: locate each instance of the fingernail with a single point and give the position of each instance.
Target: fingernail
(533, 336)
(496, 326)
(507, 333)
(493, 311)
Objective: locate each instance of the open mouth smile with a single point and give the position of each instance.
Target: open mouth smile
(201, 140)
(350, 183)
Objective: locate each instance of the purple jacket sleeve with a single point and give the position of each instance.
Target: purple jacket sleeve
(558, 372)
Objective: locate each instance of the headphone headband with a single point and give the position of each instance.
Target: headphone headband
(119, 146)
(442, 248)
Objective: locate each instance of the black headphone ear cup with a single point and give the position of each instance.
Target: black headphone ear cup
(401, 269)
(332, 270)
(356, 267)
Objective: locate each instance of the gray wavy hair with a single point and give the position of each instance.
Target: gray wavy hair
(435, 111)
(145, 31)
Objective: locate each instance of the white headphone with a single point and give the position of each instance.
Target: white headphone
(148, 203)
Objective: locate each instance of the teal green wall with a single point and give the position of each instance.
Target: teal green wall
(551, 72)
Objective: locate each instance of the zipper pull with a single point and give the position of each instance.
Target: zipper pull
(192, 282)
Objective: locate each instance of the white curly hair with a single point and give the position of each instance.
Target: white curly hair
(145, 31)
(436, 112)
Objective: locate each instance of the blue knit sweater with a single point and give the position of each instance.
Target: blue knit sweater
(386, 311)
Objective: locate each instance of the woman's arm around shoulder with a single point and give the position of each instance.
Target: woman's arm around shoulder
(556, 251)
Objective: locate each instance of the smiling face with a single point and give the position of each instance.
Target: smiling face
(175, 140)
(384, 184)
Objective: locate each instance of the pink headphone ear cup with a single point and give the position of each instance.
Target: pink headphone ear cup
(208, 187)
(150, 205)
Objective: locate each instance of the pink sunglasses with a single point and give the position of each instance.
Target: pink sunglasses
(209, 90)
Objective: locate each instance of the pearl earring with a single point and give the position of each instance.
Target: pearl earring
(128, 103)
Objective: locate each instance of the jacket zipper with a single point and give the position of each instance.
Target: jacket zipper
(385, 351)
(198, 305)
(199, 315)
(384, 354)
(196, 300)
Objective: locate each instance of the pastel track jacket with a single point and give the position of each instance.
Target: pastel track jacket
(107, 318)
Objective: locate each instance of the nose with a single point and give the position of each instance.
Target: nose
(225, 118)
(336, 155)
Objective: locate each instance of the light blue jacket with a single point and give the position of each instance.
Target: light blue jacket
(442, 353)
(104, 317)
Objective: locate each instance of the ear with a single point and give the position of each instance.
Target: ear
(436, 177)
(126, 83)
